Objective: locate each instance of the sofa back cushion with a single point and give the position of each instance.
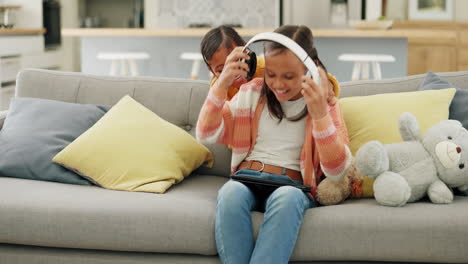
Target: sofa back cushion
(175, 100)
(398, 85)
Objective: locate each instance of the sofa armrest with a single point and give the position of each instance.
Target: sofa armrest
(2, 118)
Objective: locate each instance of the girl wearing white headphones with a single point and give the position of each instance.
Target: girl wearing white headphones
(283, 126)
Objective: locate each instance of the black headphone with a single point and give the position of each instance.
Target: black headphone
(252, 62)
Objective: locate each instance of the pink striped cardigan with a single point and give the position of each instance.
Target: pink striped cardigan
(235, 123)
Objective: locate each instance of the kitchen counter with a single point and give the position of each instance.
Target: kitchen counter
(22, 31)
(164, 46)
(410, 34)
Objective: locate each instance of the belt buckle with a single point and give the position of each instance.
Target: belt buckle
(263, 166)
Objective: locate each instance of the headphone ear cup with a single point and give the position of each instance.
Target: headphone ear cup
(252, 62)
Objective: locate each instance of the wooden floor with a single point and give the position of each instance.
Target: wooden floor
(6, 93)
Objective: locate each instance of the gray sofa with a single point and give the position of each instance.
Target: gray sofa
(46, 222)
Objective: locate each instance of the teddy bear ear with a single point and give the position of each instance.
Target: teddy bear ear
(409, 127)
(454, 122)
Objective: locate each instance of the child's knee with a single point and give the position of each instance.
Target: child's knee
(288, 196)
(234, 192)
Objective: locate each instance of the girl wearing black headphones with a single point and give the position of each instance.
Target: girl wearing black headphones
(215, 47)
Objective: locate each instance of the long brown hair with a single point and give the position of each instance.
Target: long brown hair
(223, 35)
(302, 35)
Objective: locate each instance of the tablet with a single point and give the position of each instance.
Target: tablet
(265, 187)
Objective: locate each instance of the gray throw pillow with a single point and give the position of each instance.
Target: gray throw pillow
(35, 130)
(459, 106)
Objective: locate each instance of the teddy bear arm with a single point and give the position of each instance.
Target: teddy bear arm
(439, 193)
(372, 159)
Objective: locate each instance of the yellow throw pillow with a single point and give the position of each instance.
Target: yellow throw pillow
(132, 149)
(375, 117)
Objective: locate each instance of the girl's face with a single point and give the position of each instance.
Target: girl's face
(217, 60)
(283, 74)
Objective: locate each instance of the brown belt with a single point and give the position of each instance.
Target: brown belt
(263, 167)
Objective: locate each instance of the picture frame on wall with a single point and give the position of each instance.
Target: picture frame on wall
(430, 9)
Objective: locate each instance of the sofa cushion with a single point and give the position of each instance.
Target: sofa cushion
(361, 229)
(182, 221)
(133, 149)
(35, 130)
(89, 217)
(459, 106)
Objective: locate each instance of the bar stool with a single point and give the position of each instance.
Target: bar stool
(126, 60)
(196, 58)
(361, 64)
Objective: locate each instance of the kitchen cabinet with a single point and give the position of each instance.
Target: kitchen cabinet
(429, 57)
(447, 51)
(462, 63)
(14, 44)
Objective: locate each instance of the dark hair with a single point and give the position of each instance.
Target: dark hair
(302, 35)
(225, 36)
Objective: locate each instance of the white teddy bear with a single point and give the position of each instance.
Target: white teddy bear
(407, 171)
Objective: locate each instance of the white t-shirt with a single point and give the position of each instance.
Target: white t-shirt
(280, 144)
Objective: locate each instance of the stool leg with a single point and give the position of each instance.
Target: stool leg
(365, 70)
(195, 69)
(113, 67)
(123, 67)
(356, 71)
(376, 70)
(133, 67)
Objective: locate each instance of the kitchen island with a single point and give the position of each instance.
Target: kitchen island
(165, 46)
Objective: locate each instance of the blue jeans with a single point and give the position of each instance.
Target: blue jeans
(284, 210)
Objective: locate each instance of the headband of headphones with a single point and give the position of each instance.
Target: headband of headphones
(292, 46)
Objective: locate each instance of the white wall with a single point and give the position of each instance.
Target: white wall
(461, 10)
(70, 45)
(151, 9)
(29, 15)
(182, 13)
(397, 9)
(315, 13)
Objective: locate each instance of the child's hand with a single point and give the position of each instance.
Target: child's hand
(233, 68)
(316, 96)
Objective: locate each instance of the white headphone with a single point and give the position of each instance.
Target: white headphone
(292, 46)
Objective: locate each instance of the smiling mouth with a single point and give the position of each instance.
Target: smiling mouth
(281, 91)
